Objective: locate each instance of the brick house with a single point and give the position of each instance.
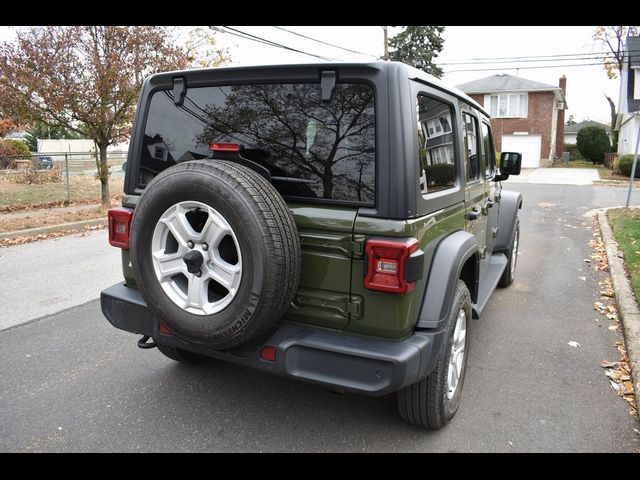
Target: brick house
(526, 116)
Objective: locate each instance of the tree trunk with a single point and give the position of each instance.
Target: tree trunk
(614, 133)
(103, 174)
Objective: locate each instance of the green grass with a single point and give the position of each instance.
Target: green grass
(625, 223)
(84, 188)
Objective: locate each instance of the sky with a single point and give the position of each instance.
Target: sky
(586, 85)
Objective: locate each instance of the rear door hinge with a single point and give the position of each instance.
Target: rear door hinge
(354, 307)
(357, 246)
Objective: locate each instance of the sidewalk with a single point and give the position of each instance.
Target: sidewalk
(557, 176)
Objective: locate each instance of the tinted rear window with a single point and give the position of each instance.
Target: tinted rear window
(321, 150)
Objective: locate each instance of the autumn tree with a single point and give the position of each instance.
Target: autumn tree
(418, 45)
(614, 38)
(84, 78)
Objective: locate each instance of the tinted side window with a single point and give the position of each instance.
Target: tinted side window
(323, 150)
(435, 143)
(471, 154)
(488, 152)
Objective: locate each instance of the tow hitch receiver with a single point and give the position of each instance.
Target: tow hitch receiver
(142, 343)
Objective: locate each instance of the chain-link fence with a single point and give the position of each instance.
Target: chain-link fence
(46, 178)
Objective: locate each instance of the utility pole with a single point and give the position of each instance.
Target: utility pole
(386, 44)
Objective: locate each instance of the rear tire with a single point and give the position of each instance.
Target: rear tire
(433, 401)
(183, 356)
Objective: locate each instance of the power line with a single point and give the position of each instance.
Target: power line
(324, 43)
(532, 56)
(522, 68)
(255, 38)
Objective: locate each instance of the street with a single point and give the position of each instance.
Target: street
(71, 382)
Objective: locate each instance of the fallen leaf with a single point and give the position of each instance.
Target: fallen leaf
(599, 306)
(613, 327)
(637, 431)
(584, 279)
(608, 364)
(587, 260)
(612, 316)
(612, 309)
(573, 344)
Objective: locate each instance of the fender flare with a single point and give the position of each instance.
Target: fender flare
(448, 260)
(510, 203)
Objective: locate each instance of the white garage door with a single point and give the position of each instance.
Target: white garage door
(527, 145)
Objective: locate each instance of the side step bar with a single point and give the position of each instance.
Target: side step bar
(489, 282)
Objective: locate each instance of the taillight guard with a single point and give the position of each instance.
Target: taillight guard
(387, 264)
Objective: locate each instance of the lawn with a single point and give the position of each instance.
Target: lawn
(84, 189)
(625, 223)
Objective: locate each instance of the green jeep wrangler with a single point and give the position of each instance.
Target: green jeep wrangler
(339, 224)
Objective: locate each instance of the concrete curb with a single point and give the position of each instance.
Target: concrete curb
(627, 307)
(53, 228)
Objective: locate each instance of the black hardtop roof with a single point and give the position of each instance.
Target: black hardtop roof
(299, 68)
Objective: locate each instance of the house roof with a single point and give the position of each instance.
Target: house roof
(633, 47)
(505, 83)
(576, 127)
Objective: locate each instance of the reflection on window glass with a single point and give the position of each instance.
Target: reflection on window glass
(472, 158)
(435, 143)
(318, 149)
(488, 152)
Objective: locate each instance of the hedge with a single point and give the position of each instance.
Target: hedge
(625, 163)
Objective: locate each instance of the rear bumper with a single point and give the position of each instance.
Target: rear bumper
(334, 359)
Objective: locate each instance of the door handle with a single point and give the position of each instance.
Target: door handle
(472, 215)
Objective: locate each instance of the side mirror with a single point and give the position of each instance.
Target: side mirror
(510, 163)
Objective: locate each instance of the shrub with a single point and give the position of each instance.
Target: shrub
(625, 163)
(593, 143)
(19, 147)
(9, 151)
(440, 174)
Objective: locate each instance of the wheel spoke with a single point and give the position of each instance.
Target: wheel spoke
(179, 226)
(197, 295)
(225, 274)
(169, 265)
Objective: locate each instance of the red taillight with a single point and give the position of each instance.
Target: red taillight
(386, 265)
(268, 354)
(225, 147)
(119, 223)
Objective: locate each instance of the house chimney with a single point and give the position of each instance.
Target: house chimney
(562, 83)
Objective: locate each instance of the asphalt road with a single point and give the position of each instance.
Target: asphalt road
(71, 382)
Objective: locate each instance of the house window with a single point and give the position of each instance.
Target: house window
(509, 105)
(159, 152)
(636, 84)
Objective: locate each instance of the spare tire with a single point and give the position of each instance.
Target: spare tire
(215, 252)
